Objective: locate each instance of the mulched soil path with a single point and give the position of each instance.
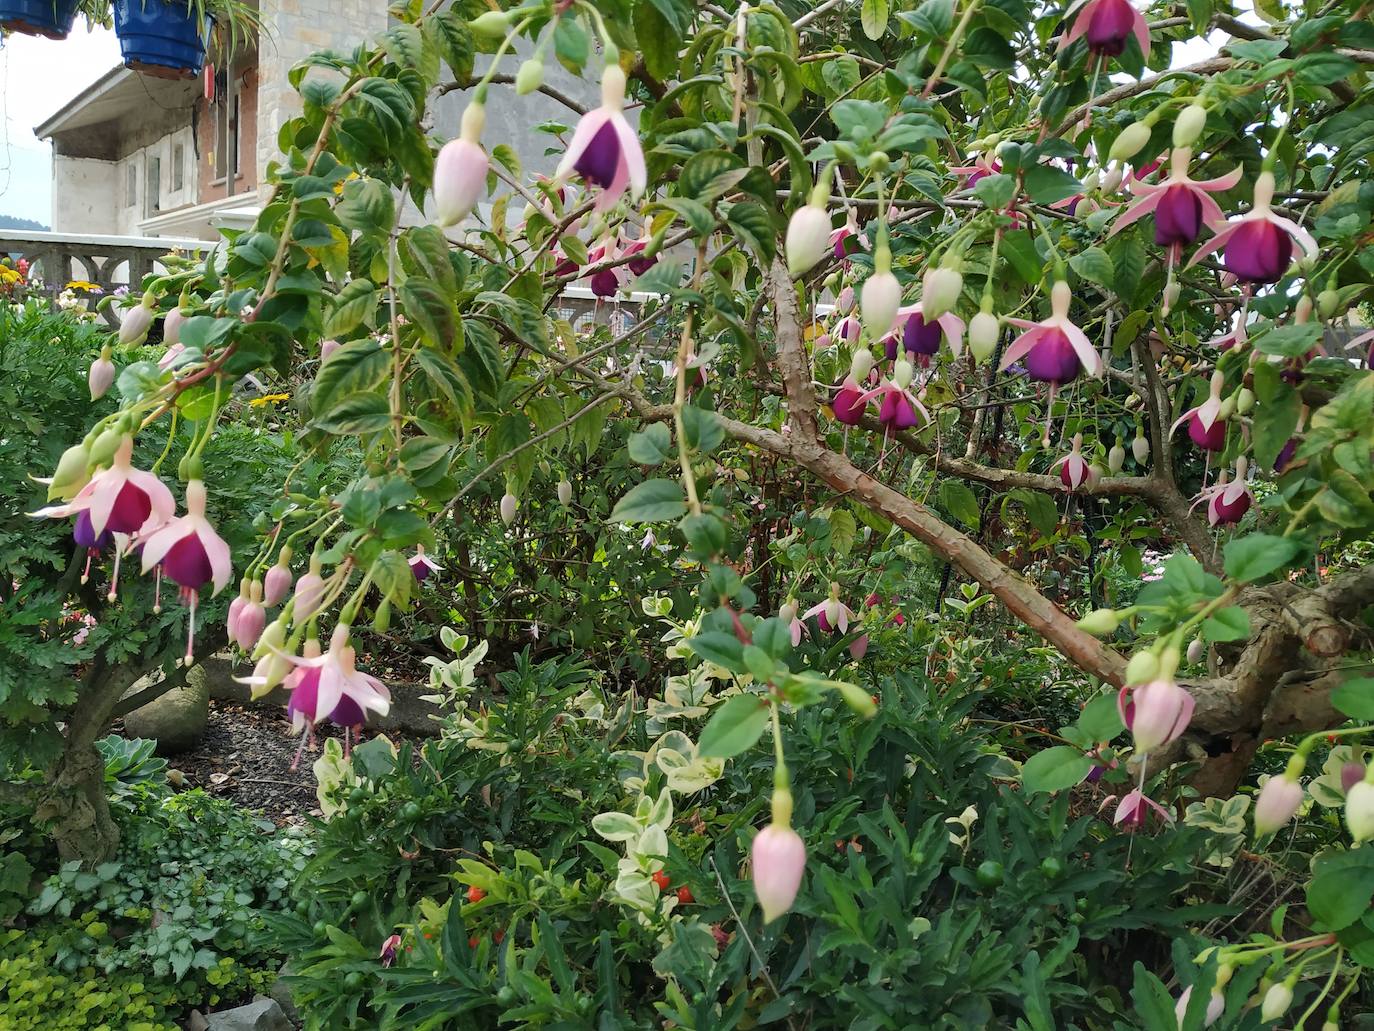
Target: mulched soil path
(246, 756)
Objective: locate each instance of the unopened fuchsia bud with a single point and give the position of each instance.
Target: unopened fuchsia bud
(252, 620)
(1245, 401)
(309, 592)
(565, 492)
(844, 303)
(509, 503)
(779, 859)
(529, 77)
(881, 295)
(1111, 182)
(134, 326)
(1129, 141)
(1189, 124)
(1142, 668)
(1099, 622)
(940, 290)
(72, 473)
(277, 583)
(1116, 457)
(171, 327)
(808, 232)
(1140, 447)
(861, 364)
(1351, 774)
(1195, 650)
(1163, 711)
(1278, 998)
(1302, 311)
(272, 664)
(460, 170)
(1359, 810)
(492, 24)
(236, 608)
(102, 374)
(983, 329)
(1280, 798)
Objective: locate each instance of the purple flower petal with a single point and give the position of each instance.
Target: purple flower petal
(599, 161)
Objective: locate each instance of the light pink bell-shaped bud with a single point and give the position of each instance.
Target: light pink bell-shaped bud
(779, 859)
(565, 492)
(858, 647)
(1140, 448)
(460, 170)
(236, 608)
(1116, 458)
(309, 592)
(1162, 711)
(1195, 650)
(1277, 1000)
(1359, 811)
(1351, 774)
(102, 375)
(277, 583)
(171, 327)
(808, 238)
(844, 303)
(252, 619)
(982, 335)
(136, 321)
(940, 291)
(878, 302)
(1277, 803)
(509, 503)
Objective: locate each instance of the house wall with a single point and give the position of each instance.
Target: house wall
(294, 29)
(129, 214)
(209, 136)
(81, 197)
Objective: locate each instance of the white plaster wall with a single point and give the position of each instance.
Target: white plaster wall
(84, 196)
(128, 216)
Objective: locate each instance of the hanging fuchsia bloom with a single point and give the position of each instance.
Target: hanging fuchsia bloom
(1181, 204)
(1227, 502)
(874, 600)
(1259, 244)
(981, 168)
(102, 374)
(331, 685)
(847, 329)
(899, 408)
(388, 951)
(1155, 713)
(638, 265)
(779, 860)
(1074, 469)
(86, 537)
(120, 499)
(1134, 807)
(1206, 427)
(833, 612)
(849, 404)
(460, 170)
(1238, 339)
(847, 239)
(1107, 24)
(604, 149)
(191, 554)
(277, 583)
(1055, 350)
(422, 565)
(923, 338)
(787, 612)
(604, 282)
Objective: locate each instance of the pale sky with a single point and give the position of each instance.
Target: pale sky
(37, 77)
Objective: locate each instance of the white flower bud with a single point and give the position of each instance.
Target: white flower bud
(509, 503)
(1189, 125)
(940, 292)
(982, 335)
(1129, 142)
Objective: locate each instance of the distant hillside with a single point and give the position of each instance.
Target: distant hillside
(13, 222)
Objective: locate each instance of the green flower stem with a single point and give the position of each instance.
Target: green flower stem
(950, 45)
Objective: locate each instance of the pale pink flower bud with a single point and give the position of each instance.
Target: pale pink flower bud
(1277, 803)
(878, 302)
(1140, 448)
(844, 303)
(1162, 711)
(1189, 124)
(460, 170)
(252, 619)
(309, 592)
(171, 327)
(1195, 650)
(134, 326)
(1216, 1006)
(982, 335)
(1129, 142)
(509, 503)
(1351, 774)
(940, 292)
(808, 238)
(779, 858)
(1116, 458)
(102, 375)
(236, 608)
(1359, 811)
(277, 583)
(1276, 1001)
(565, 492)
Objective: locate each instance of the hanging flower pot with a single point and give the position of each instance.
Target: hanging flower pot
(51, 18)
(164, 38)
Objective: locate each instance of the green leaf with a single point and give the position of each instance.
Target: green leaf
(1094, 265)
(703, 429)
(755, 227)
(995, 190)
(662, 278)
(1355, 698)
(1228, 624)
(450, 32)
(1340, 889)
(651, 445)
(840, 74)
(570, 42)
(1046, 184)
(651, 502)
(707, 175)
(367, 206)
(356, 413)
(721, 648)
(1258, 555)
(431, 309)
(1322, 69)
(1290, 341)
(873, 16)
(1019, 248)
(356, 367)
(658, 40)
(1100, 719)
(960, 502)
(733, 727)
(1154, 1006)
(1055, 769)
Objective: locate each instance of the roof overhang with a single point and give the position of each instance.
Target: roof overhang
(116, 94)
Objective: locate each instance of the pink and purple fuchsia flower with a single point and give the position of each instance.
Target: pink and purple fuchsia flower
(604, 149)
(1182, 206)
(1054, 349)
(1227, 503)
(1258, 247)
(190, 553)
(422, 565)
(1075, 472)
(831, 614)
(120, 498)
(1206, 422)
(1106, 25)
(922, 339)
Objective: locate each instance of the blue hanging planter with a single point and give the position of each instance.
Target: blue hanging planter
(160, 37)
(51, 18)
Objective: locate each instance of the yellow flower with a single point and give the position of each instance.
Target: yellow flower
(268, 399)
(81, 284)
(339, 187)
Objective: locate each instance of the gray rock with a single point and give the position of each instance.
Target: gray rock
(177, 719)
(262, 1014)
(197, 1022)
(281, 992)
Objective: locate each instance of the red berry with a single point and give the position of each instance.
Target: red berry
(684, 895)
(472, 942)
(661, 879)
(476, 894)
(498, 937)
